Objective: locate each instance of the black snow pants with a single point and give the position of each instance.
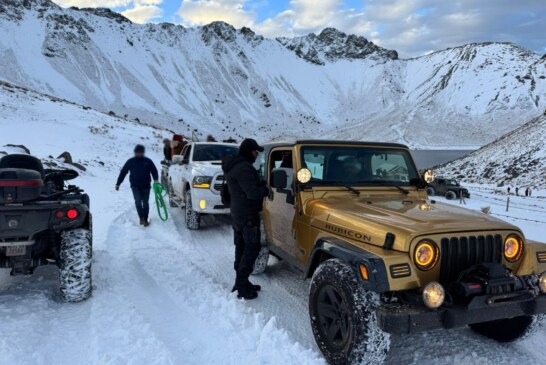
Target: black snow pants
(142, 201)
(246, 234)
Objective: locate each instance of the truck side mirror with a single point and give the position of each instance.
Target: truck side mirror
(279, 179)
(178, 159)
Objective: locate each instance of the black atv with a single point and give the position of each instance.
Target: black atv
(44, 220)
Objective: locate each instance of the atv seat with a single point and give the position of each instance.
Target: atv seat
(18, 161)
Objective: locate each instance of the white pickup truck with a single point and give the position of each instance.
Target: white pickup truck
(195, 180)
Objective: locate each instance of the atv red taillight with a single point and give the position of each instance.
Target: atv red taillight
(59, 214)
(72, 214)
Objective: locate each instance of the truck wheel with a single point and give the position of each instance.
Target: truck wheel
(450, 195)
(510, 329)
(261, 261)
(343, 316)
(193, 219)
(75, 265)
(430, 191)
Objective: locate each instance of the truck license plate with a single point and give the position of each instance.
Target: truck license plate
(16, 250)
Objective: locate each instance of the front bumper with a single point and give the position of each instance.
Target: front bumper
(406, 319)
(213, 202)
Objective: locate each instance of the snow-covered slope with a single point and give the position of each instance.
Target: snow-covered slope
(517, 158)
(232, 82)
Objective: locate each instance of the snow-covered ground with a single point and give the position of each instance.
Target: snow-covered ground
(162, 294)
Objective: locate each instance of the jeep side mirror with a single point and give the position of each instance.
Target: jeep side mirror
(178, 159)
(279, 179)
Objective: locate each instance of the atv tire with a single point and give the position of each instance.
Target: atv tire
(510, 329)
(343, 316)
(430, 191)
(261, 261)
(75, 265)
(450, 195)
(193, 219)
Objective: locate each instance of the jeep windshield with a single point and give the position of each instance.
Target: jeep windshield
(212, 152)
(359, 166)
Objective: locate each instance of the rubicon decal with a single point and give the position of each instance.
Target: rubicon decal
(347, 232)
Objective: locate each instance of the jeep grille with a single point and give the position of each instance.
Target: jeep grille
(460, 253)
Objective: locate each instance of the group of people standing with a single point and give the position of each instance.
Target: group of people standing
(528, 191)
(246, 189)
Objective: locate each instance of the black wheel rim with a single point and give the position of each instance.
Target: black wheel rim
(333, 317)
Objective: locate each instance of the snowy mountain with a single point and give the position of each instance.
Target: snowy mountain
(230, 82)
(517, 158)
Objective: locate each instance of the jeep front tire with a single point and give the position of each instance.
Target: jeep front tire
(75, 265)
(430, 191)
(343, 316)
(450, 195)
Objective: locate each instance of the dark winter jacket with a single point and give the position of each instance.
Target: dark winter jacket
(167, 152)
(245, 186)
(141, 168)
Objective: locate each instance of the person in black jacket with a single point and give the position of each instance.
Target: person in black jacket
(167, 152)
(141, 168)
(247, 191)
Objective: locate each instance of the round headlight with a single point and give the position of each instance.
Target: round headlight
(513, 248)
(542, 283)
(426, 255)
(433, 295)
(304, 175)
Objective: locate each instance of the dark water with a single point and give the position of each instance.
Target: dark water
(429, 158)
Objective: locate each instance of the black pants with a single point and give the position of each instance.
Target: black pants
(142, 198)
(246, 236)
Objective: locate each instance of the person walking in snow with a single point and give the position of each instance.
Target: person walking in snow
(517, 191)
(247, 191)
(508, 189)
(141, 168)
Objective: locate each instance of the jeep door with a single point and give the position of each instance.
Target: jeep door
(279, 208)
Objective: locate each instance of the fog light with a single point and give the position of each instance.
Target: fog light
(542, 282)
(202, 204)
(434, 295)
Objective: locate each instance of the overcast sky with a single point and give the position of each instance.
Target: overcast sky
(412, 27)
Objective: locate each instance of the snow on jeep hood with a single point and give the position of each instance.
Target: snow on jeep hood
(371, 218)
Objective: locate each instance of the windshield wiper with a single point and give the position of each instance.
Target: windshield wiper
(338, 183)
(385, 183)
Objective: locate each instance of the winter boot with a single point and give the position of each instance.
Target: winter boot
(142, 221)
(246, 293)
(146, 223)
(254, 287)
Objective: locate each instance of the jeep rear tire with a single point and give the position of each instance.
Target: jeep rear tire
(193, 219)
(430, 191)
(343, 316)
(261, 261)
(510, 329)
(450, 195)
(75, 265)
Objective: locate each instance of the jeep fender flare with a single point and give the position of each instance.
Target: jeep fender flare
(327, 248)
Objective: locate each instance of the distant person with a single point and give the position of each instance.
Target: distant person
(210, 138)
(527, 191)
(508, 189)
(247, 191)
(167, 152)
(141, 168)
(517, 191)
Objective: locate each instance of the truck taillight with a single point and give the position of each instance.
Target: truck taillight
(59, 214)
(72, 214)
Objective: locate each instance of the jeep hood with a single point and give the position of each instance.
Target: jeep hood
(372, 219)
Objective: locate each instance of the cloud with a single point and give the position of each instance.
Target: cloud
(143, 13)
(199, 12)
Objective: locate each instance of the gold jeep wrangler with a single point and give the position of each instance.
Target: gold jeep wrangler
(384, 258)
